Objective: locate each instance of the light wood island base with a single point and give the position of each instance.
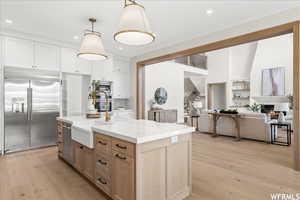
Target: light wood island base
(156, 167)
(163, 169)
(159, 170)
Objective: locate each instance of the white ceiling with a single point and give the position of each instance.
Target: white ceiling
(173, 21)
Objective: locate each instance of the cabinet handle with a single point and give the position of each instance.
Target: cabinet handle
(120, 157)
(102, 162)
(59, 151)
(103, 143)
(81, 147)
(121, 147)
(102, 181)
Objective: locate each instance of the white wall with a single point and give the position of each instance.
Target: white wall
(272, 53)
(218, 66)
(241, 61)
(169, 75)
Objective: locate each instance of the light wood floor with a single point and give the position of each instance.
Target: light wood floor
(222, 169)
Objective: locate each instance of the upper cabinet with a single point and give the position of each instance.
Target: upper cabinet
(37, 55)
(29, 54)
(72, 64)
(18, 53)
(121, 81)
(103, 70)
(46, 56)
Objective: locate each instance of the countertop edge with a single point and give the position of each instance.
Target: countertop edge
(144, 139)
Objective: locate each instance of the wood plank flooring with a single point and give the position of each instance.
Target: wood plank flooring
(222, 169)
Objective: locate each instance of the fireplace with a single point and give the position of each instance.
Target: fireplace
(267, 108)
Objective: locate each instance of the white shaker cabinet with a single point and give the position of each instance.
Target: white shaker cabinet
(70, 63)
(121, 85)
(18, 53)
(103, 70)
(46, 57)
(83, 66)
(121, 81)
(29, 54)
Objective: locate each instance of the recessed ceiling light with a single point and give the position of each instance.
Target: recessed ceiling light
(75, 37)
(8, 21)
(209, 11)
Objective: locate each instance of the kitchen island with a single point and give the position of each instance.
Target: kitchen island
(132, 159)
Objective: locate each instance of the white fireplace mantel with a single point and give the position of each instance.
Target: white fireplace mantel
(270, 99)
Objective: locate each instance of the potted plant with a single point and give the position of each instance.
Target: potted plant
(254, 107)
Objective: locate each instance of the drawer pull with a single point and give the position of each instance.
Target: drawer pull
(121, 147)
(120, 157)
(59, 151)
(102, 181)
(103, 143)
(81, 147)
(102, 162)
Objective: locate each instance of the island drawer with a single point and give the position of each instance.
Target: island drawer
(123, 147)
(102, 163)
(103, 182)
(102, 144)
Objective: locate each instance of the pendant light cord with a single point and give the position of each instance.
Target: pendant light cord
(92, 20)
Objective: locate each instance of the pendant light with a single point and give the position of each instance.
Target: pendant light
(91, 45)
(134, 28)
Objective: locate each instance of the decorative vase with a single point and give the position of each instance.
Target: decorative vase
(281, 117)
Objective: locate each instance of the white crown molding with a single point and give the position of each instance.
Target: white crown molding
(37, 38)
(270, 99)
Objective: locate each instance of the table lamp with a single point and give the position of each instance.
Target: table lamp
(281, 107)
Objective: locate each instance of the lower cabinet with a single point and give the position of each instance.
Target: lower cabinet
(122, 177)
(78, 157)
(60, 138)
(84, 160)
(156, 170)
(115, 167)
(88, 167)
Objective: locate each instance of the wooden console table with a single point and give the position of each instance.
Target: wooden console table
(234, 117)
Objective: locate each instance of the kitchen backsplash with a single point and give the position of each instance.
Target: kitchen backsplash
(120, 103)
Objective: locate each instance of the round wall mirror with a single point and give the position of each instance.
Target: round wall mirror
(161, 96)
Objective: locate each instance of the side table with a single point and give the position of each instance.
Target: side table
(197, 120)
(275, 125)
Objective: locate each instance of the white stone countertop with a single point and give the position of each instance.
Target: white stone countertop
(131, 130)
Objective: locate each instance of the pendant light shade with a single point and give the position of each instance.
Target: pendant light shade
(134, 28)
(91, 45)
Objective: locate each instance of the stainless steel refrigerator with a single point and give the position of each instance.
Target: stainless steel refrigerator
(31, 108)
